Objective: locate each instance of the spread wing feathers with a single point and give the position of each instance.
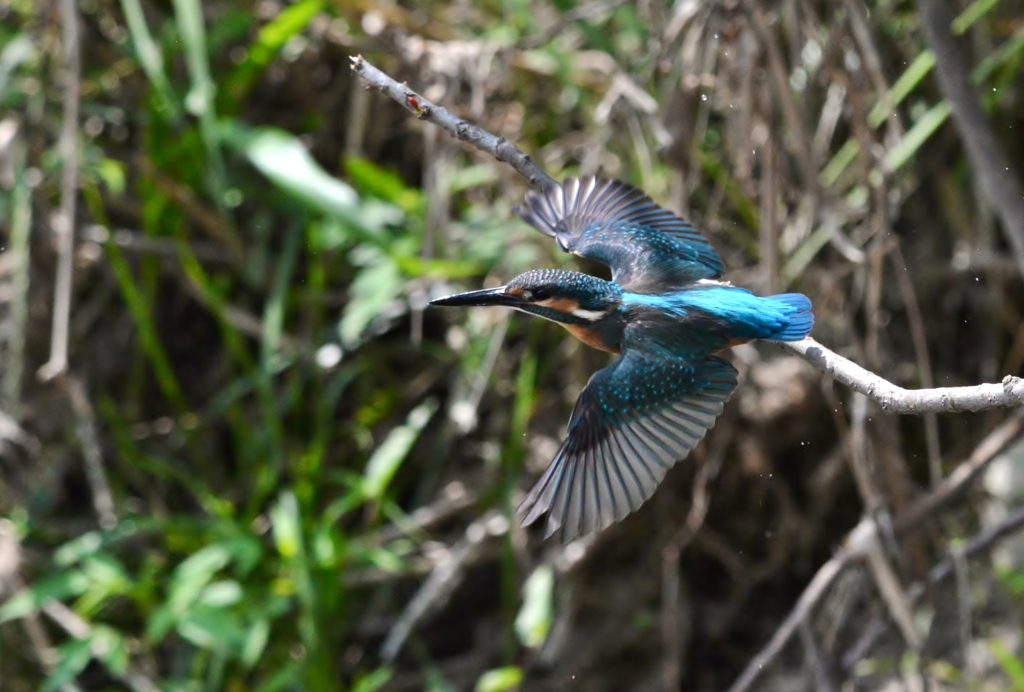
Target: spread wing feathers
(633, 421)
(618, 225)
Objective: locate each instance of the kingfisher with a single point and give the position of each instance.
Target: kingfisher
(666, 313)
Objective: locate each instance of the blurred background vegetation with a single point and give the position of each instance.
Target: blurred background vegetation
(266, 467)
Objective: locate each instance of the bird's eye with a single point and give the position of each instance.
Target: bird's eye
(538, 294)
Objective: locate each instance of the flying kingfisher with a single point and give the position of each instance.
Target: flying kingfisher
(665, 313)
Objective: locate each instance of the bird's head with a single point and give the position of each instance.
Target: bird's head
(562, 296)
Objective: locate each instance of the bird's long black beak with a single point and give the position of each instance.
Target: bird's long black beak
(486, 296)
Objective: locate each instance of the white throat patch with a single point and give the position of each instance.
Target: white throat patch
(589, 315)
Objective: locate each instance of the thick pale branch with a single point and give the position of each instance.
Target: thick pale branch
(894, 399)
(1007, 394)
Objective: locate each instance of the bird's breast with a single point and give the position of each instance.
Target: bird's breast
(593, 338)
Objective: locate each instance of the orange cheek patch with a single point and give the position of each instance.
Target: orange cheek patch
(565, 305)
(590, 338)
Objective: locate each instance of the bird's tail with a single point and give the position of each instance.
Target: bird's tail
(797, 307)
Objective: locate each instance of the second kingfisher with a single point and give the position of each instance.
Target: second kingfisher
(665, 313)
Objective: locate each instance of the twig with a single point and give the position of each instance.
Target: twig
(823, 677)
(442, 581)
(891, 398)
(11, 583)
(920, 340)
(570, 17)
(20, 250)
(208, 220)
(987, 155)
(72, 623)
(498, 147)
(64, 224)
(956, 482)
(975, 546)
(864, 540)
(85, 429)
(133, 241)
(803, 608)
(958, 559)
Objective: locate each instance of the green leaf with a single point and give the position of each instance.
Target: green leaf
(74, 550)
(283, 159)
(287, 526)
(111, 172)
(221, 594)
(104, 569)
(194, 573)
(533, 622)
(72, 658)
(385, 184)
(373, 288)
(110, 647)
(255, 642)
(19, 50)
(500, 679)
(374, 681)
(388, 457)
(1010, 663)
(55, 588)
(212, 628)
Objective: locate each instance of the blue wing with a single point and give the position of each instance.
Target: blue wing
(648, 248)
(634, 420)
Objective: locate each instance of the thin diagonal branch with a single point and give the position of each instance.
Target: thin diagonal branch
(498, 147)
(1007, 394)
(987, 155)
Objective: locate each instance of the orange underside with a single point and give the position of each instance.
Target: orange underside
(590, 338)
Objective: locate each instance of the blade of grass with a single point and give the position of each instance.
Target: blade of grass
(904, 85)
(269, 41)
(901, 88)
(148, 337)
(150, 57)
(971, 14)
(388, 457)
(916, 136)
(200, 99)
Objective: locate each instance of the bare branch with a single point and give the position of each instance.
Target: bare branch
(498, 147)
(814, 592)
(987, 155)
(88, 438)
(443, 580)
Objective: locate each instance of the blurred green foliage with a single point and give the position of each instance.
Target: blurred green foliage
(271, 418)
